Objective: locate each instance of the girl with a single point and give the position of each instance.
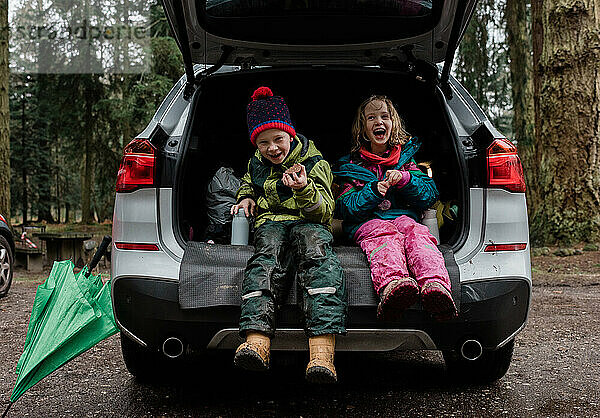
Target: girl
(383, 194)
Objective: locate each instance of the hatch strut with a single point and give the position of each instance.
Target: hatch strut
(187, 53)
(225, 51)
(461, 8)
(185, 48)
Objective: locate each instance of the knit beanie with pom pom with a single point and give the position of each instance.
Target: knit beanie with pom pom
(266, 111)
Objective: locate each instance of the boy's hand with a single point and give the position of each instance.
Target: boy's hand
(383, 186)
(295, 177)
(393, 177)
(247, 204)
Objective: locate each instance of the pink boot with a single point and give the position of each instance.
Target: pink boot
(437, 300)
(396, 296)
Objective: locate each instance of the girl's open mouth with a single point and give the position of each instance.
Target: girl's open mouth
(379, 133)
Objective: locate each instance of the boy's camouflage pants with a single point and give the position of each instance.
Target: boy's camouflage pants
(282, 250)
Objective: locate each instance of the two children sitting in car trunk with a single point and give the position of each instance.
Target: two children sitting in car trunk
(288, 189)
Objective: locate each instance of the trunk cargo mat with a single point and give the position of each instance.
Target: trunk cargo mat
(212, 274)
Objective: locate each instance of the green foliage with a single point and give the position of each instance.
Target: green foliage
(482, 63)
(166, 58)
(57, 118)
(32, 157)
(159, 27)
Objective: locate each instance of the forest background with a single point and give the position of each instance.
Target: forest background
(533, 66)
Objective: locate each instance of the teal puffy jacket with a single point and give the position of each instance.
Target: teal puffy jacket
(360, 201)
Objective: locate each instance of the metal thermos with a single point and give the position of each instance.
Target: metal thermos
(239, 228)
(430, 221)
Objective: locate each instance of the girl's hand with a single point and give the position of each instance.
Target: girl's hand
(247, 204)
(383, 186)
(295, 179)
(393, 177)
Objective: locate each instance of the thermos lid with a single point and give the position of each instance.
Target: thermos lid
(430, 213)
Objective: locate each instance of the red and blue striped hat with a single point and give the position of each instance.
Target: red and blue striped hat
(266, 111)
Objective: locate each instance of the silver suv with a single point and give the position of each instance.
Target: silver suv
(175, 295)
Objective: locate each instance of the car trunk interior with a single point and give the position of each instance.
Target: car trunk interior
(323, 102)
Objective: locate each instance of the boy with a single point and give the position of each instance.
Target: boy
(288, 189)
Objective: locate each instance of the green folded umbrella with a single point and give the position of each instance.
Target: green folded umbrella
(71, 313)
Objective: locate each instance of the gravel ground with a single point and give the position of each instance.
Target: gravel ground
(555, 370)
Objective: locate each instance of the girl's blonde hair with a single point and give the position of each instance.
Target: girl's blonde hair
(398, 135)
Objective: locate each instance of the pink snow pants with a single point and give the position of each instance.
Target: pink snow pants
(401, 247)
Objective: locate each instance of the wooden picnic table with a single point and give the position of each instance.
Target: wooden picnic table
(64, 245)
(30, 258)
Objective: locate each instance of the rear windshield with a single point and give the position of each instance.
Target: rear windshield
(271, 8)
(318, 22)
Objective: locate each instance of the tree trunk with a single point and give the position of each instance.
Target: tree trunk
(67, 212)
(537, 40)
(86, 181)
(25, 192)
(4, 113)
(58, 188)
(522, 88)
(88, 93)
(568, 164)
(86, 160)
(43, 176)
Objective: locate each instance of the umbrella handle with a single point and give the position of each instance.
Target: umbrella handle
(6, 410)
(99, 253)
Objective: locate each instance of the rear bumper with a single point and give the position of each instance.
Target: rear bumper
(492, 311)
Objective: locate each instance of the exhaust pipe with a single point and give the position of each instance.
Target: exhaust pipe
(172, 347)
(471, 350)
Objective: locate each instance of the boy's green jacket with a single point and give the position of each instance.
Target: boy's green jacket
(277, 202)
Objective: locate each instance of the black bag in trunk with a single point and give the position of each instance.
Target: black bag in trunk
(220, 196)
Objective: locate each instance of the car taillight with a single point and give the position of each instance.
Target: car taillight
(3, 219)
(138, 166)
(504, 166)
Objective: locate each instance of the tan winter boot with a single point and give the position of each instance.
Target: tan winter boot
(254, 353)
(320, 367)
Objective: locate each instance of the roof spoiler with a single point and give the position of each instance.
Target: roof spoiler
(190, 84)
(455, 37)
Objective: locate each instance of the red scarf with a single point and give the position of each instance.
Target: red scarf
(390, 160)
